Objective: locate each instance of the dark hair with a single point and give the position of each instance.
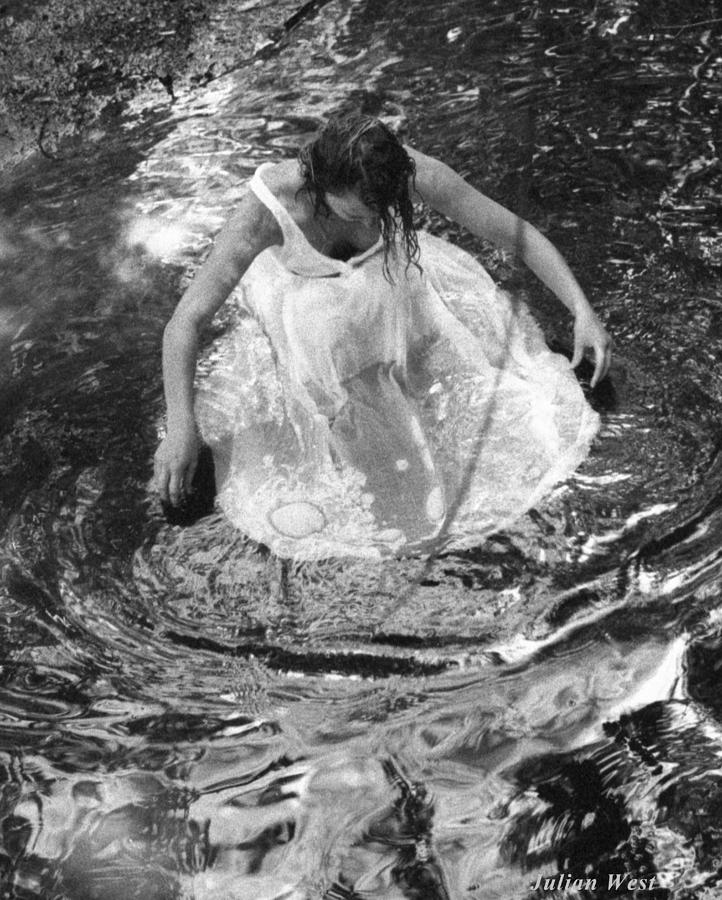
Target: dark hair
(360, 152)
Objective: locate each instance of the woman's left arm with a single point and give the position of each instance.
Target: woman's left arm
(446, 191)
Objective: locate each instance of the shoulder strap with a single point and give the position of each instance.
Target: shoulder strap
(269, 199)
(297, 254)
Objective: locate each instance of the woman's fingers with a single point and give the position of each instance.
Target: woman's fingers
(175, 487)
(602, 357)
(161, 475)
(190, 472)
(578, 352)
(170, 477)
(602, 360)
(161, 481)
(598, 368)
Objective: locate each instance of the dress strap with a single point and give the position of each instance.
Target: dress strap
(268, 198)
(296, 254)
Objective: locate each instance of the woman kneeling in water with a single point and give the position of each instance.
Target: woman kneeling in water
(386, 351)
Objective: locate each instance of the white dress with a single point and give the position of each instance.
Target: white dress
(350, 414)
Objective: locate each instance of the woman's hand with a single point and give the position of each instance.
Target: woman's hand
(589, 332)
(175, 462)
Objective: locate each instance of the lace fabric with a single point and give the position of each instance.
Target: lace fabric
(349, 413)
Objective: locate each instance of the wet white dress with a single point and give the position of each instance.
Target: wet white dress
(350, 414)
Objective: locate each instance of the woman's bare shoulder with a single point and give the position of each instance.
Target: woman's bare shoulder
(283, 175)
(252, 223)
(428, 171)
(438, 184)
(251, 226)
(421, 159)
(286, 183)
(284, 180)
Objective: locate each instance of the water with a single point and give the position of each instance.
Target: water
(184, 716)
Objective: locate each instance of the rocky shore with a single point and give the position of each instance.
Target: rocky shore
(66, 77)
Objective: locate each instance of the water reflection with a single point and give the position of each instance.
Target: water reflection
(181, 714)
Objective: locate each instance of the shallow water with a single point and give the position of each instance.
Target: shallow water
(182, 715)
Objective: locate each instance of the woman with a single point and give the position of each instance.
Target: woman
(389, 359)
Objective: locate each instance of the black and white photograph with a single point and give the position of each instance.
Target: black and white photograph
(360, 450)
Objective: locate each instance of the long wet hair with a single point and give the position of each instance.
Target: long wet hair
(357, 152)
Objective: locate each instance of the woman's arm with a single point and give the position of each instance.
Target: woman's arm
(249, 231)
(450, 194)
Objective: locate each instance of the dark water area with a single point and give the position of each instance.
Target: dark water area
(184, 716)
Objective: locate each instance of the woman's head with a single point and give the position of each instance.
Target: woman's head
(359, 155)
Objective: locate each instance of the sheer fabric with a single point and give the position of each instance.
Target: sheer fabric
(350, 414)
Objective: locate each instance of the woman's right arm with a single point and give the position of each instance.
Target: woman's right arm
(250, 230)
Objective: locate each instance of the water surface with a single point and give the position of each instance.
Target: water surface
(183, 715)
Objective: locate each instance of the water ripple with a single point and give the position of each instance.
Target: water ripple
(181, 714)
